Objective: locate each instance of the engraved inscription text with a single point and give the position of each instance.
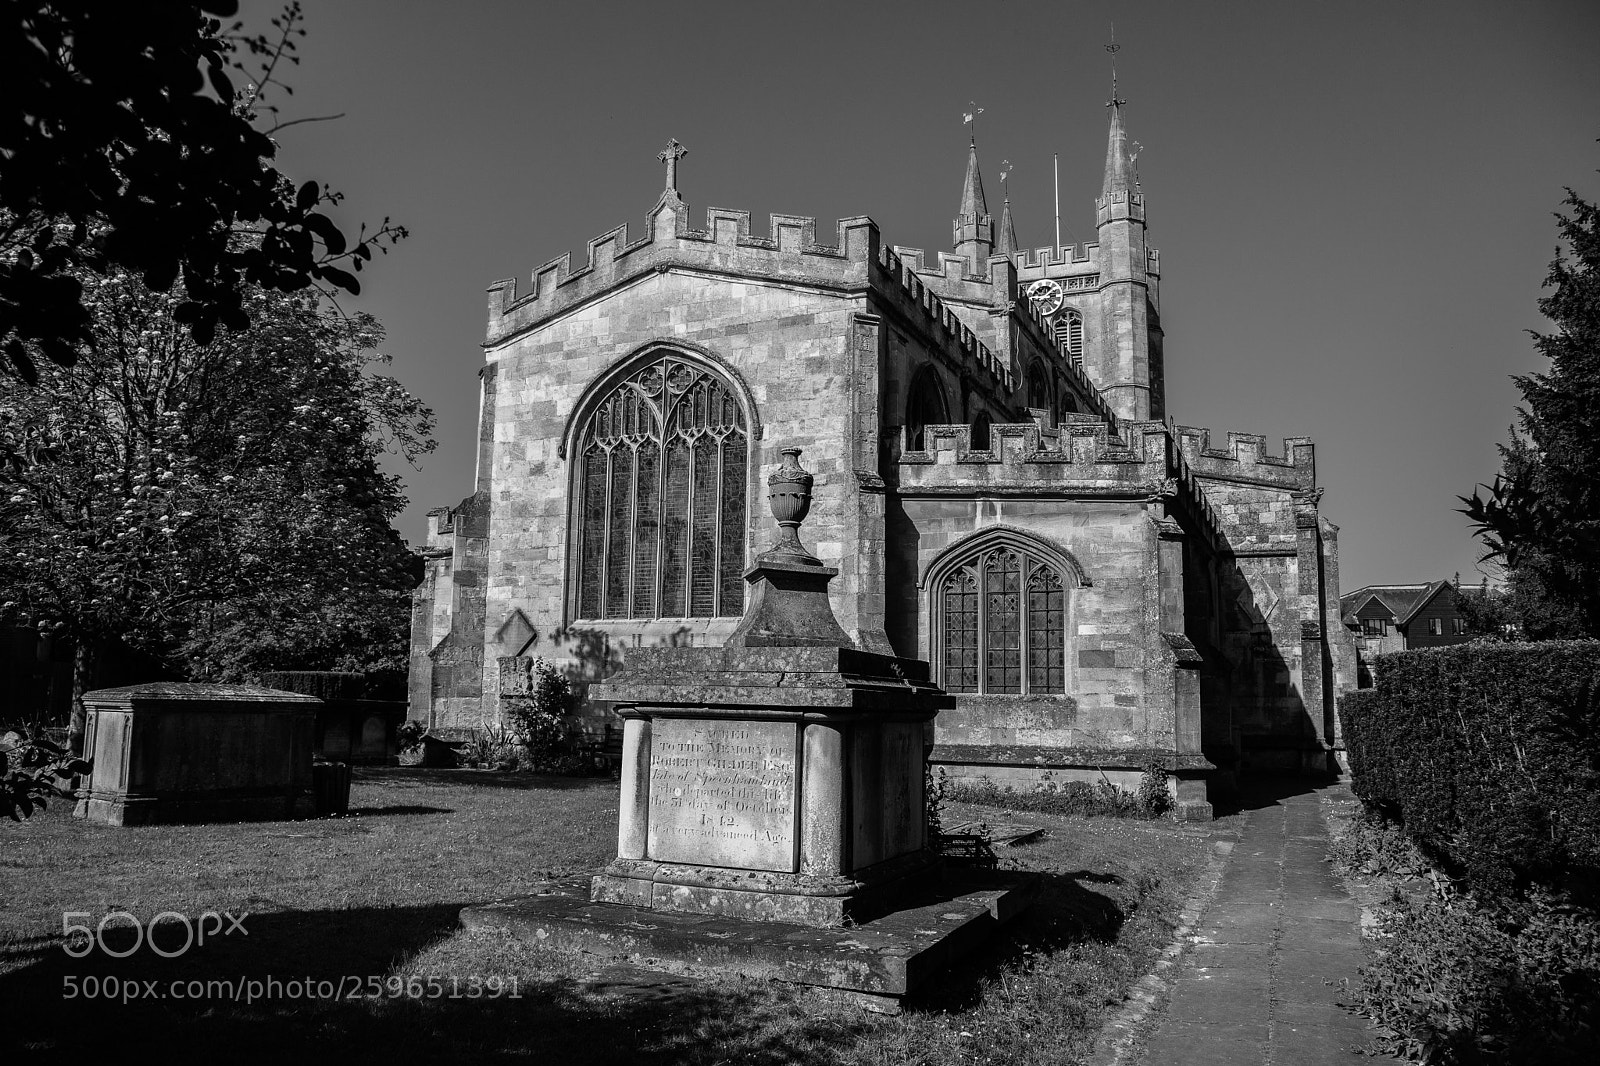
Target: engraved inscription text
(723, 793)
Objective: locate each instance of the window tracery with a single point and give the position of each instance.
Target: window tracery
(662, 484)
(1001, 624)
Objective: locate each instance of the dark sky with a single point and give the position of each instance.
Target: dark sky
(1353, 201)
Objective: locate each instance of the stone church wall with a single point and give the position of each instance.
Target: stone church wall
(787, 348)
(1102, 504)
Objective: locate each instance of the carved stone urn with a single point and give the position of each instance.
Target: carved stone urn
(788, 604)
(789, 495)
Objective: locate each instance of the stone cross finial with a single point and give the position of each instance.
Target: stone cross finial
(670, 156)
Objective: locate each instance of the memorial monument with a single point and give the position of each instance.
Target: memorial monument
(776, 782)
(174, 752)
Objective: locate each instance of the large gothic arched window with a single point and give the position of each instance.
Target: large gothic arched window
(663, 461)
(1000, 624)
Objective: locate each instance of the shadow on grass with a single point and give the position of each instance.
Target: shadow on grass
(395, 810)
(554, 1021)
(1064, 913)
(408, 776)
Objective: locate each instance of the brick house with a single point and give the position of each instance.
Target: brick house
(998, 481)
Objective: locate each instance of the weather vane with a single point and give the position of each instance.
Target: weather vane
(1114, 48)
(970, 118)
(1005, 168)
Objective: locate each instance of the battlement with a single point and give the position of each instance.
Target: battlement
(1079, 458)
(947, 325)
(791, 253)
(1246, 460)
(1032, 260)
(951, 267)
(1080, 380)
(1121, 196)
(1068, 255)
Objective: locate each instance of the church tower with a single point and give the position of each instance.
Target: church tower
(1126, 359)
(974, 226)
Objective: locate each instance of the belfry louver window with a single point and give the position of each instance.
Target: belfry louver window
(1002, 625)
(661, 509)
(1069, 334)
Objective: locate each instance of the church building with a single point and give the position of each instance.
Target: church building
(998, 482)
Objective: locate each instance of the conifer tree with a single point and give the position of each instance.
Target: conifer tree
(1541, 517)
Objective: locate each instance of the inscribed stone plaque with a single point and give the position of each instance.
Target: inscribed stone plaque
(723, 793)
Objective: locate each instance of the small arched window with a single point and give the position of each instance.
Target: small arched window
(1069, 335)
(1000, 624)
(661, 486)
(1039, 386)
(980, 431)
(925, 406)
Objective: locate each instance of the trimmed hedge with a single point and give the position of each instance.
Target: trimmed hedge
(1368, 777)
(1489, 756)
(324, 684)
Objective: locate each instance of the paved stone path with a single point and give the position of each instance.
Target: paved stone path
(1259, 984)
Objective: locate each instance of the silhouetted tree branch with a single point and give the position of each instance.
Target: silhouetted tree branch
(125, 143)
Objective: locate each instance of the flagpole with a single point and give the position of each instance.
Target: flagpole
(1058, 204)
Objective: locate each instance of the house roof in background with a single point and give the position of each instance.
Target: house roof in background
(1401, 601)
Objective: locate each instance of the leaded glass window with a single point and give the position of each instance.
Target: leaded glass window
(1002, 625)
(661, 519)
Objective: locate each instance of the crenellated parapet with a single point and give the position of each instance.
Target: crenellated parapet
(791, 253)
(1066, 256)
(1120, 204)
(1075, 266)
(943, 325)
(954, 282)
(1038, 325)
(1141, 461)
(1245, 460)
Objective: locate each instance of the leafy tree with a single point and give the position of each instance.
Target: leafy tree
(218, 504)
(125, 145)
(1542, 514)
(1486, 610)
(31, 772)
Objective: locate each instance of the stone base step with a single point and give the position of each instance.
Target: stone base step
(879, 963)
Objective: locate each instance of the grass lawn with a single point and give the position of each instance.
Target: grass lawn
(370, 902)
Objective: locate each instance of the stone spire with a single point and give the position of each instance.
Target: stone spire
(974, 226)
(1119, 166)
(1126, 361)
(1007, 243)
(972, 202)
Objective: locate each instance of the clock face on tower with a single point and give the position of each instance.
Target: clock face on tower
(1045, 296)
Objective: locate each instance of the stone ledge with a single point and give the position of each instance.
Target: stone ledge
(759, 895)
(1065, 758)
(249, 697)
(891, 957)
